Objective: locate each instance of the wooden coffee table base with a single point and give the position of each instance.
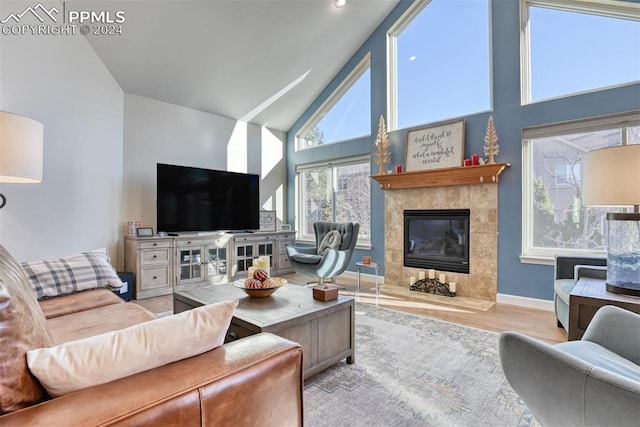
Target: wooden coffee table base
(326, 330)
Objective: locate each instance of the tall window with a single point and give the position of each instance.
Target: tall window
(571, 47)
(336, 191)
(346, 114)
(555, 219)
(440, 62)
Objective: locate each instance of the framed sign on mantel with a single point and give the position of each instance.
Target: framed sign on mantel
(435, 147)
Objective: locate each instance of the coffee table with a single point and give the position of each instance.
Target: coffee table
(586, 297)
(326, 330)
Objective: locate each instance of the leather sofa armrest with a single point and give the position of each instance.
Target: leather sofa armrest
(255, 378)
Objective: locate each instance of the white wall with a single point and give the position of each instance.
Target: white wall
(159, 132)
(59, 81)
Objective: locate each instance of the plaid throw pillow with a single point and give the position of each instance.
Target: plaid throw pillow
(87, 270)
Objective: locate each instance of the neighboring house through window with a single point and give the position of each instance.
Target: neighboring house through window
(554, 219)
(335, 191)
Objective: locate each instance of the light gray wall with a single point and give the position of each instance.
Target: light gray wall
(159, 132)
(59, 81)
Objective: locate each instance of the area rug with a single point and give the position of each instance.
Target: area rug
(415, 371)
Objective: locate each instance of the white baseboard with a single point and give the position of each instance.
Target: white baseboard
(540, 304)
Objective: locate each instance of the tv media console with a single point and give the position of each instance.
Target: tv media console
(162, 265)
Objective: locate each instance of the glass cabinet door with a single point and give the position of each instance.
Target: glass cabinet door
(266, 249)
(190, 264)
(216, 261)
(244, 257)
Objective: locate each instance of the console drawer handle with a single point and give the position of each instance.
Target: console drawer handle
(233, 336)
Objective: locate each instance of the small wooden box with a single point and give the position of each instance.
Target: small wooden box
(325, 293)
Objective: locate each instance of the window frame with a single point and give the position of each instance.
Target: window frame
(546, 256)
(392, 59)
(607, 8)
(355, 74)
(330, 163)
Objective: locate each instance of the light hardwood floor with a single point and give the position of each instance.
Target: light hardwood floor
(539, 324)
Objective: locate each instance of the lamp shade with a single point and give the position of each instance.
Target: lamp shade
(612, 176)
(21, 145)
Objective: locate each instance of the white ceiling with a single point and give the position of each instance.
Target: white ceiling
(261, 61)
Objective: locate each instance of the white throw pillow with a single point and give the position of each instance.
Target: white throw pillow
(75, 365)
(331, 240)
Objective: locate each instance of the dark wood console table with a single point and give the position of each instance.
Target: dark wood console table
(587, 296)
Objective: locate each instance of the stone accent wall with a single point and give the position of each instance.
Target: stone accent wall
(482, 200)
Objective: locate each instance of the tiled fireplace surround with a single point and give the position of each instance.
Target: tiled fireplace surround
(481, 282)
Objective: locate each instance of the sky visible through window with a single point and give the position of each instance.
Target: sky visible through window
(574, 52)
(350, 117)
(443, 63)
(444, 59)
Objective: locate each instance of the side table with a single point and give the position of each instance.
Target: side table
(587, 296)
(373, 265)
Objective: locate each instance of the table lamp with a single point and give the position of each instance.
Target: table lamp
(21, 143)
(612, 178)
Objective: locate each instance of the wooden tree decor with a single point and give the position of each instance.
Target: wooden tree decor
(382, 151)
(491, 147)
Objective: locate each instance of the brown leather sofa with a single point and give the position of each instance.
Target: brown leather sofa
(257, 380)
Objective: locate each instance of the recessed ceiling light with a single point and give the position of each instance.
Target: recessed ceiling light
(339, 3)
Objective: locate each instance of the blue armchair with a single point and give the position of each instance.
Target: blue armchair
(568, 269)
(331, 255)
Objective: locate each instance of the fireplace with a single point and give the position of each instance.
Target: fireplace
(437, 239)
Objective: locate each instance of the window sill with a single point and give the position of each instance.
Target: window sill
(540, 260)
(551, 259)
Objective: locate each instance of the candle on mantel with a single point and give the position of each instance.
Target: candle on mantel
(452, 287)
(420, 275)
(442, 277)
(432, 274)
(412, 280)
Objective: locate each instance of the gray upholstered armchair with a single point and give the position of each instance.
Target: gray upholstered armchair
(330, 256)
(591, 382)
(568, 269)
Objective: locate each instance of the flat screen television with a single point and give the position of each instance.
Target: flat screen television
(199, 200)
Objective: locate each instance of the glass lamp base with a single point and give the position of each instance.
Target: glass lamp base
(623, 254)
(632, 289)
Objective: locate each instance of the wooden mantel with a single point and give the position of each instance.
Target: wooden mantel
(481, 174)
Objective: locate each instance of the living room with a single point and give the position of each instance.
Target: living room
(103, 139)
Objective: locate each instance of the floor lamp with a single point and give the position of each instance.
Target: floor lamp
(612, 177)
(21, 144)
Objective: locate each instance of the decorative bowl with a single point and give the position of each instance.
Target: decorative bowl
(260, 292)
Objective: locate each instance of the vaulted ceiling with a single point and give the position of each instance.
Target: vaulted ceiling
(261, 61)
